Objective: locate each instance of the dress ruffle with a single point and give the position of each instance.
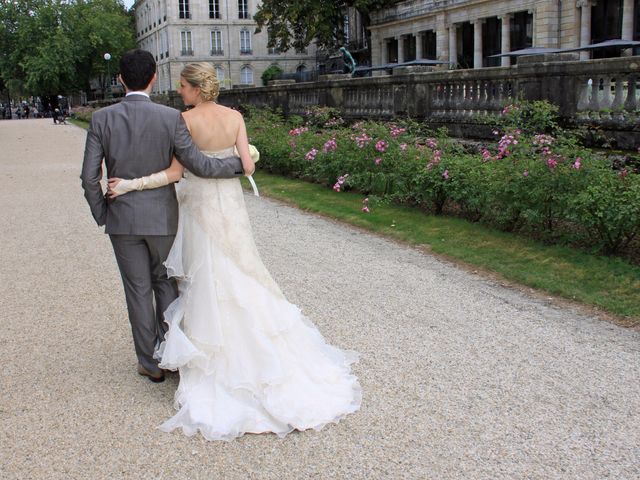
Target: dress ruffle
(249, 361)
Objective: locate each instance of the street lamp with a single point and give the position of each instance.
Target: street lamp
(107, 57)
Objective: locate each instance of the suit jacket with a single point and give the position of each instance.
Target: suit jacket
(137, 137)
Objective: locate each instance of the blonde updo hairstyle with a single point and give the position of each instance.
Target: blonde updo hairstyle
(202, 75)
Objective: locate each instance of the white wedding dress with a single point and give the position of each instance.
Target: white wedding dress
(249, 361)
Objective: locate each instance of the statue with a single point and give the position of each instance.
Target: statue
(349, 62)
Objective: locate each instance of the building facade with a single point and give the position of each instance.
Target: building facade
(178, 32)
(467, 33)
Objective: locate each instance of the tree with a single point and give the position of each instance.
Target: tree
(297, 23)
(56, 46)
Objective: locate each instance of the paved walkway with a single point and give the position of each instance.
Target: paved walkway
(462, 378)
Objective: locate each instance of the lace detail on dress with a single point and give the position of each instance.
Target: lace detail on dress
(218, 207)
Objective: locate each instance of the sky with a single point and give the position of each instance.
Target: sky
(128, 3)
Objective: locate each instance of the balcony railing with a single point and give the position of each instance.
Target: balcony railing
(246, 51)
(186, 53)
(217, 51)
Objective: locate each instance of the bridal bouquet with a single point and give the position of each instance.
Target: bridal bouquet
(253, 151)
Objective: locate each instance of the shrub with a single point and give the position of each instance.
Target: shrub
(274, 71)
(83, 113)
(609, 208)
(543, 185)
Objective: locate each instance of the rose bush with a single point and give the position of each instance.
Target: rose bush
(534, 179)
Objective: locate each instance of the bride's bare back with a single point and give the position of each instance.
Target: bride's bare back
(213, 127)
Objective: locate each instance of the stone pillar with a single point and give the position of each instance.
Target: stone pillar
(384, 57)
(418, 45)
(585, 26)
(442, 38)
(477, 44)
(627, 25)
(453, 45)
(505, 43)
(400, 39)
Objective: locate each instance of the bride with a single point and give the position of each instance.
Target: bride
(249, 361)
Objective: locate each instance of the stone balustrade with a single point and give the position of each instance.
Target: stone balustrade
(603, 93)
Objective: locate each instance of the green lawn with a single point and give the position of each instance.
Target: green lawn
(79, 123)
(608, 283)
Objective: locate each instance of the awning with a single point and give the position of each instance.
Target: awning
(615, 43)
(412, 63)
(529, 51)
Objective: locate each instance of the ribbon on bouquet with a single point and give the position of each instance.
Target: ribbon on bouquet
(253, 185)
(255, 156)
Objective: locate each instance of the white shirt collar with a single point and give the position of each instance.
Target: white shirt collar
(138, 93)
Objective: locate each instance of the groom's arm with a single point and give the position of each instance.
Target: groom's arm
(198, 163)
(92, 174)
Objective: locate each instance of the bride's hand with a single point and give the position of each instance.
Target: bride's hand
(111, 185)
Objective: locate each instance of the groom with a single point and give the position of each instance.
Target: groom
(137, 137)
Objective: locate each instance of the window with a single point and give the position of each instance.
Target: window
(491, 41)
(214, 8)
(216, 43)
(521, 30)
(220, 75)
(245, 42)
(243, 9)
(429, 42)
(246, 76)
(185, 43)
(183, 9)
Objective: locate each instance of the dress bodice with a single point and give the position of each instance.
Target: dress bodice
(225, 152)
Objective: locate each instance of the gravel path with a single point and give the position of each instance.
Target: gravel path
(462, 378)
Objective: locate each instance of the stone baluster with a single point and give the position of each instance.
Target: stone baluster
(483, 103)
(467, 101)
(631, 103)
(446, 98)
(607, 98)
(456, 98)
(584, 89)
(489, 96)
(499, 97)
(618, 99)
(475, 98)
(436, 98)
(594, 103)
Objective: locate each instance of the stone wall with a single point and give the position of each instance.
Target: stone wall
(603, 94)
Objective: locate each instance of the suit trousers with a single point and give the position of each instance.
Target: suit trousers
(144, 277)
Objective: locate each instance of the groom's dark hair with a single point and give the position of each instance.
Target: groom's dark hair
(137, 68)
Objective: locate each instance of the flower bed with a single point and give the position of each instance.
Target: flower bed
(535, 180)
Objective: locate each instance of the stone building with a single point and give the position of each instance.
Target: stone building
(178, 32)
(466, 33)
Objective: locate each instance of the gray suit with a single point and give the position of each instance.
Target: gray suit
(137, 137)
